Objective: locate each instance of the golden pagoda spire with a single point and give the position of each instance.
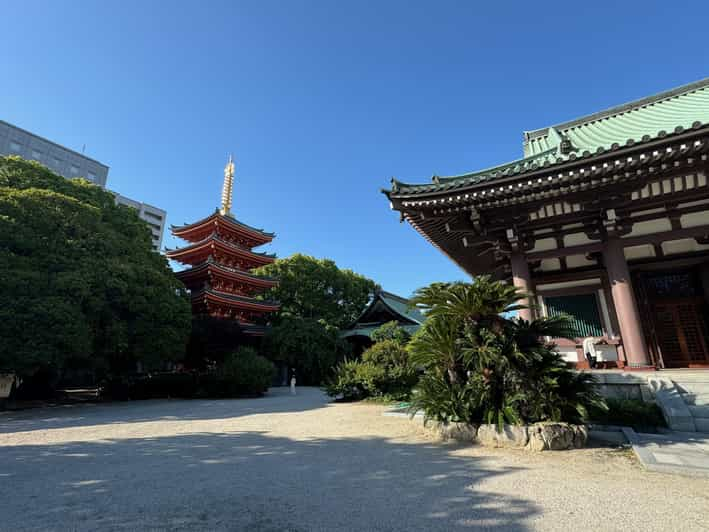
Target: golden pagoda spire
(228, 187)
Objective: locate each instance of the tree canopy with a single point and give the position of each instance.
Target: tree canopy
(79, 279)
(316, 289)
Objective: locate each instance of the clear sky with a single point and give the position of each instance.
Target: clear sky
(321, 102)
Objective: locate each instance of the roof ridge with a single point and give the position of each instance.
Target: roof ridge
(622, 108)
(393, 296)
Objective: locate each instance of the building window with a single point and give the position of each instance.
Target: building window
(57, 162)
(583, 310)
(15, 147)
(74, 170)
(36, 155)
(92, 176)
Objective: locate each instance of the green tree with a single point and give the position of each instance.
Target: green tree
(316, 289)
(391, 331)
(79, 280)
(310, 346)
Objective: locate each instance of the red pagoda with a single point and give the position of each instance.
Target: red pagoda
(220, 257)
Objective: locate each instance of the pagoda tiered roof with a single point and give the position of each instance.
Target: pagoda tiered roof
(213, 270)
(221, 257)
(222, 223)
(234, 301)
(200, 251)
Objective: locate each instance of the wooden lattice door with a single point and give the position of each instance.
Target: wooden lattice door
(678, 319)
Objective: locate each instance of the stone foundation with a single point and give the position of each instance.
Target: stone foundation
(546, 436)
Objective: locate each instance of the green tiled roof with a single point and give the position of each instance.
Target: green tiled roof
(667, 113)
(401, 306)
(394, 307)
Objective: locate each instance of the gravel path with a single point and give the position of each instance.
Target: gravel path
(300, 464)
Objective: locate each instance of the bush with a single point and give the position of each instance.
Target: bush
(391, 331)
(484, 367)
(244, 373)
(346, 381)
(384, 372)
(629, 413)
(310, 346)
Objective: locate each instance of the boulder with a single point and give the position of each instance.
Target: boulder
(580, 436)
(460, 432)
(509, 436)
(556, 436)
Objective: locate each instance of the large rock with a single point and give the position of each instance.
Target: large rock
(460, 432)
(556, 436)
(509, 436)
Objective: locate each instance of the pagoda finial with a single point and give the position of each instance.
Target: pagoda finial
(228, 187)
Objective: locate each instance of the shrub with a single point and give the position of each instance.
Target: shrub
(484, 367)
(243, 373)
(310, 346)
(391, 331)
(630, 413)
(346, 381)
(384, 372)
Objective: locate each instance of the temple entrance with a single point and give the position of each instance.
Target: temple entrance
(675, 316)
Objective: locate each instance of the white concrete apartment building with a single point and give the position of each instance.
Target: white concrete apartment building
(154, 217)
(70, 163)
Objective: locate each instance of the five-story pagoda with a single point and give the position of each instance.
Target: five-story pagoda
(220, 257)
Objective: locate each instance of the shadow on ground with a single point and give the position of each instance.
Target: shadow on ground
(91, 414)
(251, 481)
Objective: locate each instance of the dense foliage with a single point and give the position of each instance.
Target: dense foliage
(79, 282)
(316, 289)
(242, 374)
(385, 370)
(317, 299)
(311, 347)
(210, 341)
(481, 366)
(391, 331)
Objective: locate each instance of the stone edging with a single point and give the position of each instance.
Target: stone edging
(547, 436)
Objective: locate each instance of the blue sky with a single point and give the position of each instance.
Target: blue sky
(321, 102)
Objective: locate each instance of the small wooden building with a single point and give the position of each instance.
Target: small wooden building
(605, 218)
(383, 308)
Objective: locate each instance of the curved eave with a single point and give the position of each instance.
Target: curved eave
(239, 302)
(472, 260)
(181, 253)
(379, 298)
(250, 232)
(460, 185)
(217, 270)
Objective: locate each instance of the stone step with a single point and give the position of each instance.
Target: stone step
(693, 388)
(688, 376)
(699, 411)
(702, 424)
(696, 399)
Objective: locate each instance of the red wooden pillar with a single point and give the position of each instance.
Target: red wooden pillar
(626, 308)
(522, 279)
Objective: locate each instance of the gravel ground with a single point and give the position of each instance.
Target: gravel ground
(300, 464)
